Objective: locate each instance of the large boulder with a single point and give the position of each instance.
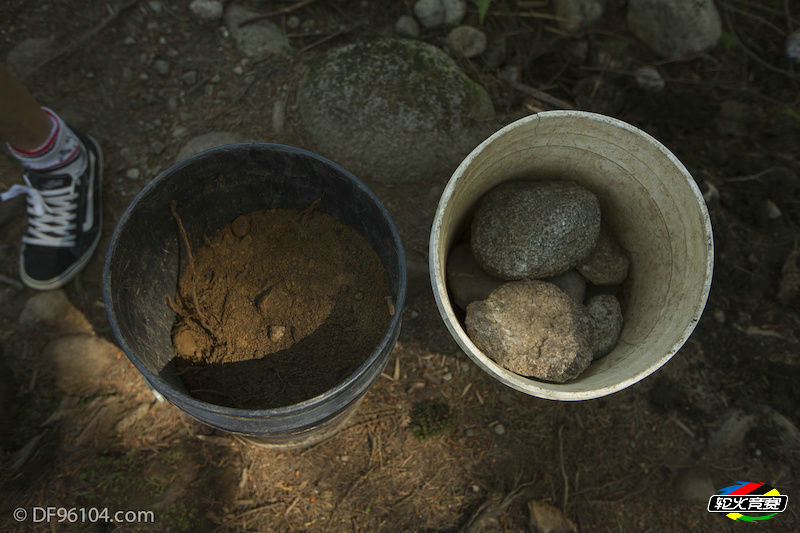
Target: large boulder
(392, 109)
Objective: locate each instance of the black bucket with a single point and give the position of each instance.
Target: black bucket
(144, 261)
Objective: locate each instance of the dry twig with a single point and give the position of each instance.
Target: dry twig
(540, 95)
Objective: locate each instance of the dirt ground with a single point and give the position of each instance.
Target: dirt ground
(616, 464)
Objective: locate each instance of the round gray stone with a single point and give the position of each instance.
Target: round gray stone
(675, 28)
(207, 9)
(429, 12)
(162, 67)
(257, 40)
(454, 11)
(466, 282)
(407, 26)
(532, 328)
(605, 314)
(395, 110)
(534, 229)
(607, 264)
(467, 41)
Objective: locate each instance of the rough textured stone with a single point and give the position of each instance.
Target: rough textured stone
(81, 362)
(534, 229)
(206, 141)
(532, 328)
(257, 40)
(606, 317)
(675, 28)
(466, 282)
(577, 14)
(29, 54)
(572, 283)
(607, 264)
(467, 41)
(394, 110)
(207, 9)
(407, 26)
(52, 312)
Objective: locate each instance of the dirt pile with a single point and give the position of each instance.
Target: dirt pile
(277, 307)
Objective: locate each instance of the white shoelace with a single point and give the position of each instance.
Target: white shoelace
(51, 214)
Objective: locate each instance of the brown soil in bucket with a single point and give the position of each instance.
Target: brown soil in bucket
(277, 307)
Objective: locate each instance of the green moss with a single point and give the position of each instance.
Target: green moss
(432, 418)
(179, 517)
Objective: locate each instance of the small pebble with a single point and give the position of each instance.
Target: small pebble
(189, 78)
(155, 7)
(467, 41)
(180, 131)
(293, 22)
(129, 41)
(770, 210)
(132, 173)
(510, 72)
(607, 264)
(238, 70)
(500, 429)
(430, 13)
(454, 11)
(276, 333)
(448, 376)
(407, 26)
(162, 67)
(143, 76)
(207, 9)
(649, 79)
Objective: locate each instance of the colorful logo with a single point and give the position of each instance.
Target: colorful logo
(759, 500)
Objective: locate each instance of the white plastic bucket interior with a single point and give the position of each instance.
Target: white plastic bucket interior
(648, 199)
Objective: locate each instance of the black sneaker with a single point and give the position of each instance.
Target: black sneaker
(64, 219)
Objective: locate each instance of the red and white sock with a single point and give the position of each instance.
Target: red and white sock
(61, 149)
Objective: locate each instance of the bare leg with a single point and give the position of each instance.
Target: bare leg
(23, 124)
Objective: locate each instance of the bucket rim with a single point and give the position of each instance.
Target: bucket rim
(282, 412)
(532, 386)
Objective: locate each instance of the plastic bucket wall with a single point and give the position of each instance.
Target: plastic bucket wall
(211, 189)
(648, 199)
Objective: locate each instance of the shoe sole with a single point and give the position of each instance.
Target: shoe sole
(74, 270)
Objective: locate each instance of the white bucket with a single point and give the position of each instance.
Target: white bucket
(650, 202)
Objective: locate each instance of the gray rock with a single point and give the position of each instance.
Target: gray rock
(52, 312)
(133, 174)
(607, 264)
(190, 77)
(495, 53)
(162, 67)
(467, 41)
(793, 46)
(29, 54)
(577, 14)
(204, 142)
(732, 429)
(81, 362)
(532, 328)
(454, 11)
(649, 79)
(572, 283)
(207, 9)
(429, 12)
(769, 210)
(606, 317)
(534, 229)
(257, 40)
(407, 26)
(157, 147)
(293, 22)
(675, 28)
(155, 6)
(394, 110)
(694, 485)
(466, 282)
